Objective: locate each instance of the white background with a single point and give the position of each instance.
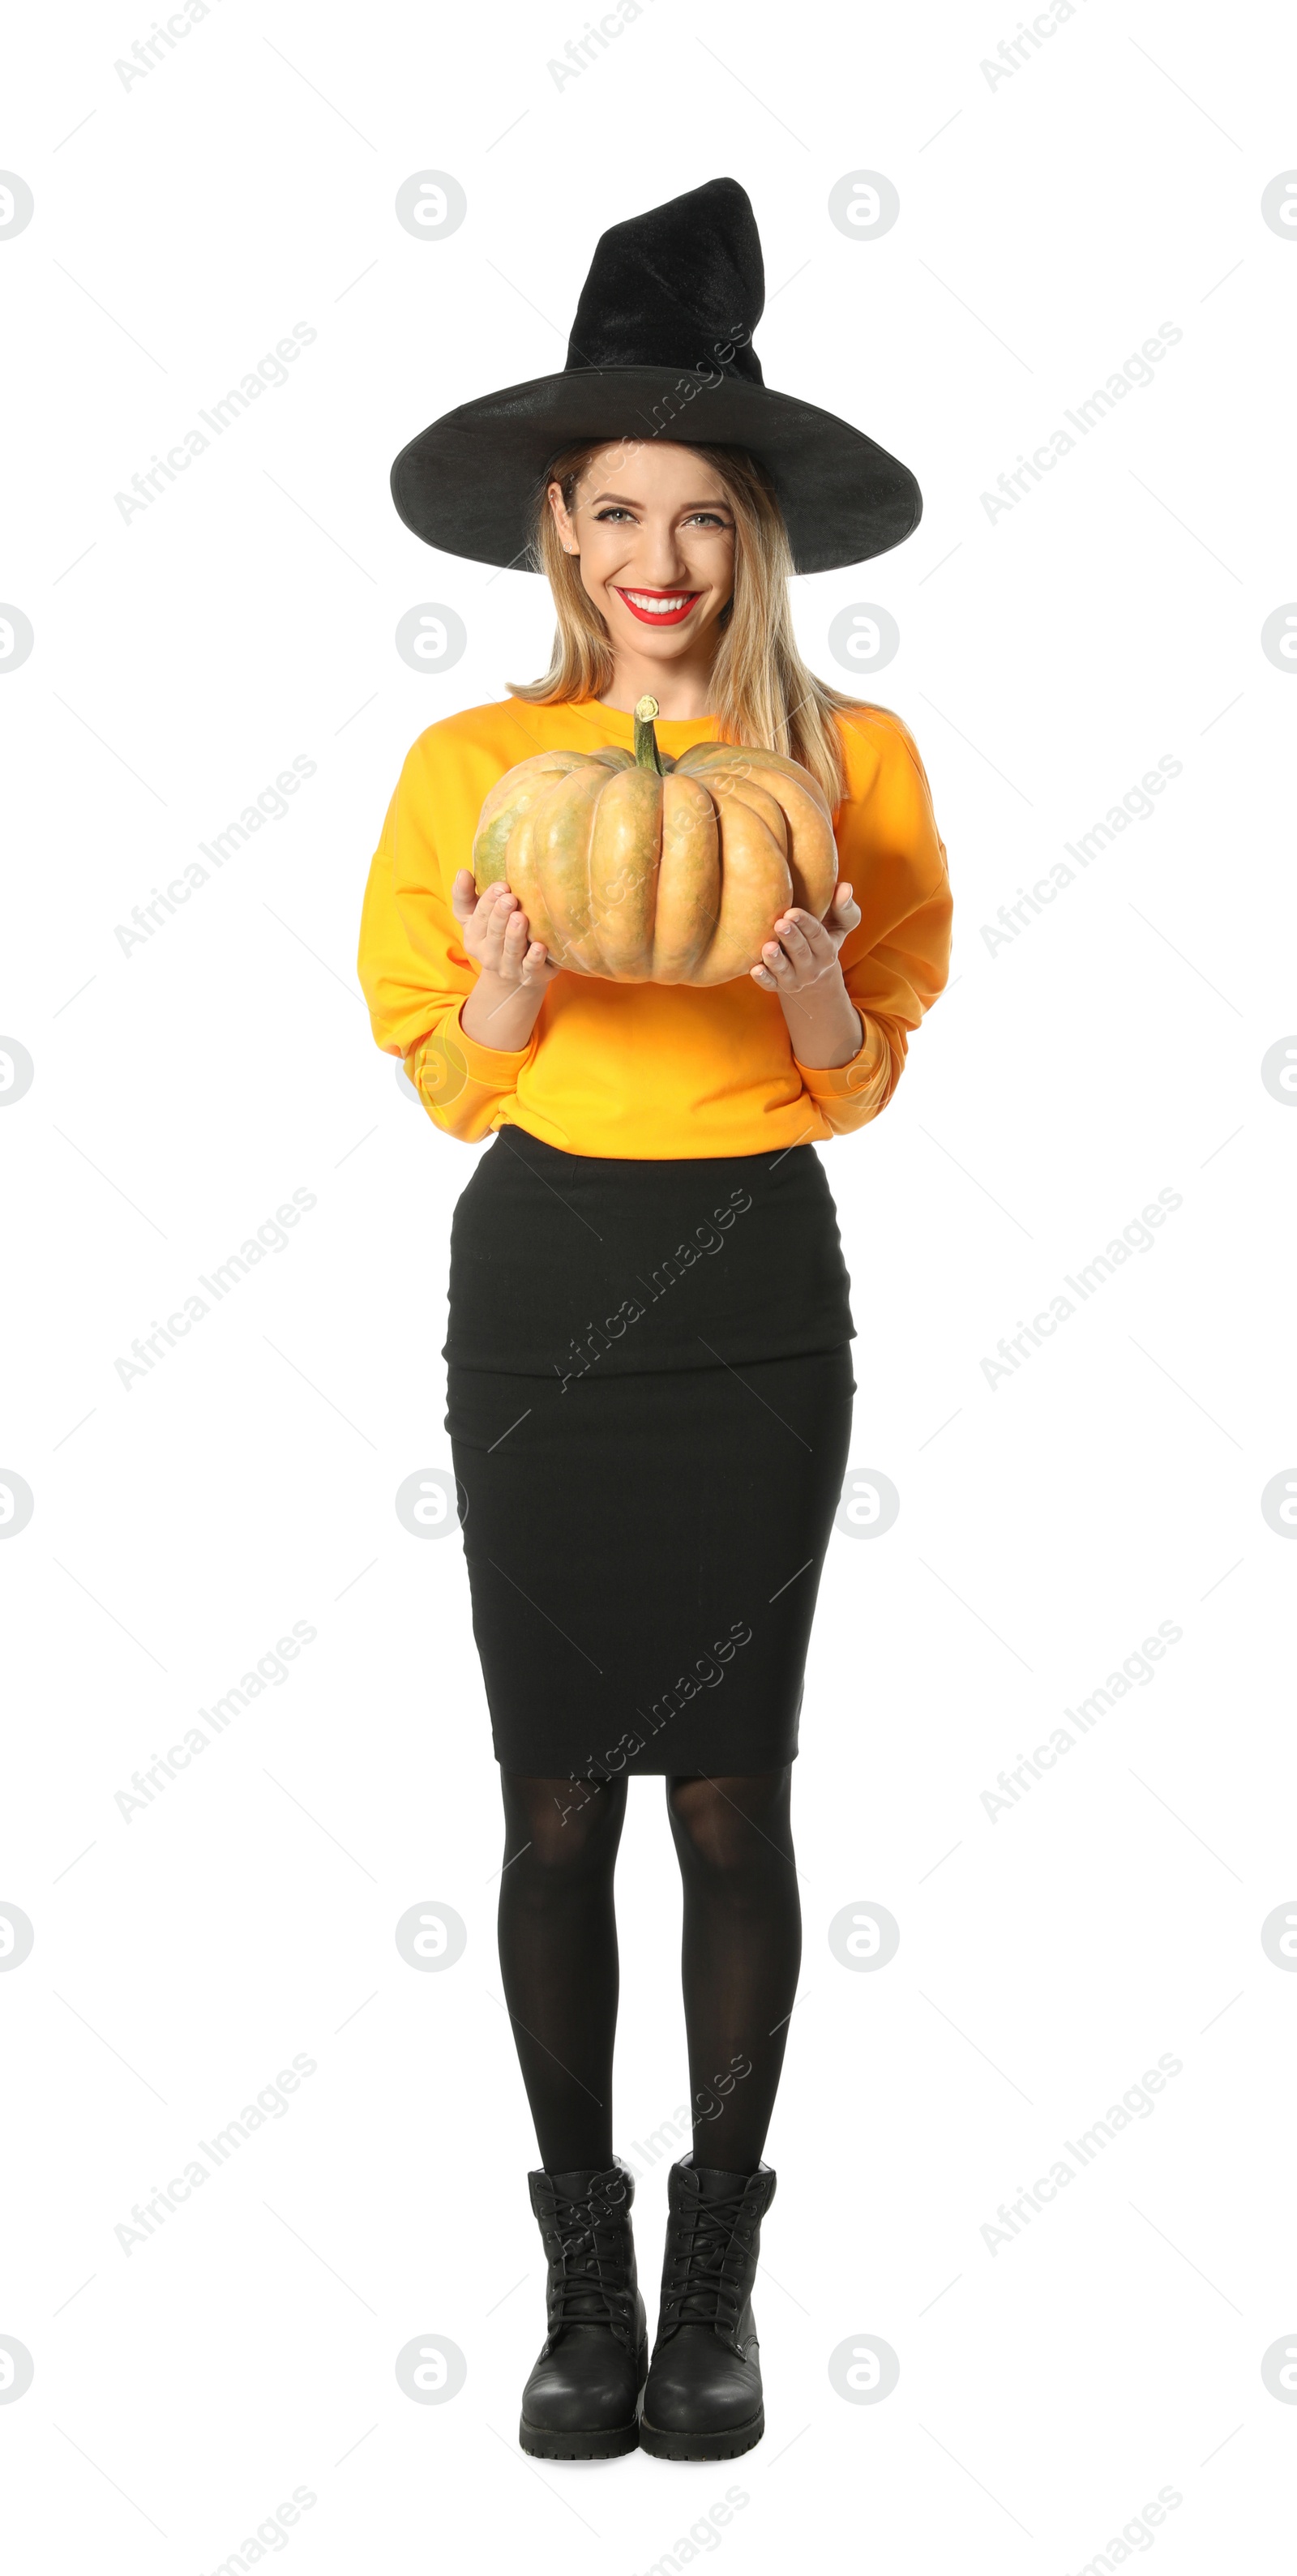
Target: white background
(1050, 2388)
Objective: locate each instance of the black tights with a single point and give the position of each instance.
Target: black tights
(740, 1956)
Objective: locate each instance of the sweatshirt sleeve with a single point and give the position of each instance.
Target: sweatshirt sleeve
(895, 963)
(416, 976)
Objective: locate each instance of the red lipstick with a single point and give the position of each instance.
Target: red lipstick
(658, 616)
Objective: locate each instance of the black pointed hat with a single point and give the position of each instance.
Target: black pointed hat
(661, 348)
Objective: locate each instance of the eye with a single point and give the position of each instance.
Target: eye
(707, 519)
(613, 512)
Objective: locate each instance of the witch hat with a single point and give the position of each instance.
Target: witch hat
(661, 348)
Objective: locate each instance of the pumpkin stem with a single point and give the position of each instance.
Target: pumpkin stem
(646, 743)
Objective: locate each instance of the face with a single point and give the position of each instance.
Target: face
(655, 536)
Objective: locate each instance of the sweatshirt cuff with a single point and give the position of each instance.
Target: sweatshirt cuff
(497, 1067)
(447, 1061)
(858, 1079)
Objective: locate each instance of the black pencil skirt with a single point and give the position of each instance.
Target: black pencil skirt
(649, 1405)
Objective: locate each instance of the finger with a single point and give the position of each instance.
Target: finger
(772, 957)
(820, 951)
(493, 917)
(463, 895)
(761, 975)
(818, 935)
(508, 945)
(794, 941)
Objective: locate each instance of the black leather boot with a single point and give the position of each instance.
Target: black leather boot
(703, 2398)
(581, 2399)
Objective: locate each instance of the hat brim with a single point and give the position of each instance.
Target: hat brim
(468, 483)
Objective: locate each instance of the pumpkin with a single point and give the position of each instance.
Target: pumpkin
(644, 869)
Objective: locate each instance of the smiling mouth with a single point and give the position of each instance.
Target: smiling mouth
(658, 607)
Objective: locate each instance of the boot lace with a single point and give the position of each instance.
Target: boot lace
(587, 2243)
(711, 2251)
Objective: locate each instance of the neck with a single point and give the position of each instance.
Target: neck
(683, 688)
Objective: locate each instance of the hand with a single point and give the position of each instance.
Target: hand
(515, 971)
(800, 964)
(497, 934)
(803, 951)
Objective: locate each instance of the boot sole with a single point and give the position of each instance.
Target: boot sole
(728, 2445)
(543, 2444)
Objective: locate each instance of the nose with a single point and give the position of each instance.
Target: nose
(660, 558)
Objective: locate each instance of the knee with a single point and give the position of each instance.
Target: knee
(561, 1828)
(729, 1827)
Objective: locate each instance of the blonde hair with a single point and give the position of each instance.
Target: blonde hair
(762, 692)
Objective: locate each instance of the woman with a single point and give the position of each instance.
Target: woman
(650, 1375)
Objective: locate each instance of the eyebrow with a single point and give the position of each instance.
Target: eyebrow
(626, 502)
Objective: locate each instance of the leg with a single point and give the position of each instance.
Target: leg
(558, 1958)
(741, 1954)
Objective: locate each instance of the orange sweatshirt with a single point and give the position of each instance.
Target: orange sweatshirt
(642, 1071)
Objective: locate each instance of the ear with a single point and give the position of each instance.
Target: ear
(562, 519)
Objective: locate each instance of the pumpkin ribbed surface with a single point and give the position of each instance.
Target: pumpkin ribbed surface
(642, 869)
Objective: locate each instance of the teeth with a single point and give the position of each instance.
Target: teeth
(658, 607)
